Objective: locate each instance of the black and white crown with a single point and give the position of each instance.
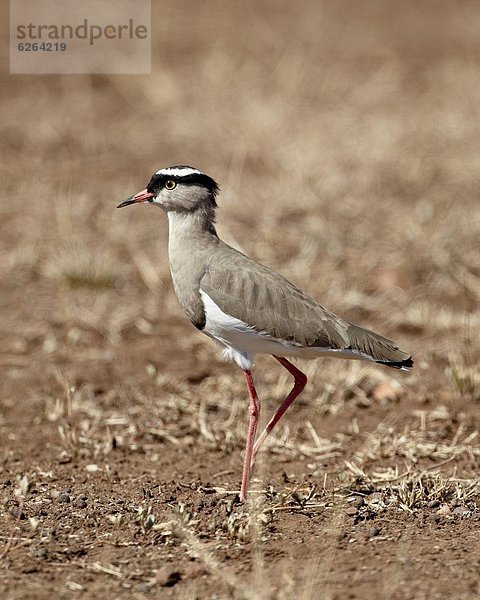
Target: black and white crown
(182, 174)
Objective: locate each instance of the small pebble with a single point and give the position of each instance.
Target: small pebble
(63, 498)
(80, 503)
(42, 554)
(17, 514)
(358, 502)
(375, 530)
(433, 504)
(444, 510)
(167, 576)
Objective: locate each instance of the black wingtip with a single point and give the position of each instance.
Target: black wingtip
(398, 364)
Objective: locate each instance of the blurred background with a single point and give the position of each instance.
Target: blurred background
(345, 138)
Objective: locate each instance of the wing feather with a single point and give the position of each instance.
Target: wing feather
(269, 303)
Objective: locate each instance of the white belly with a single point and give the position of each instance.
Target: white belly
(241, 342)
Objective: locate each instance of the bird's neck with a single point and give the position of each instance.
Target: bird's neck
(192, 243)
(195, 226)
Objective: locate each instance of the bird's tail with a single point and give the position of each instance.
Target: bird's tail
(378, 348)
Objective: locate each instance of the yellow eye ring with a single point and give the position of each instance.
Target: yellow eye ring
(170, 184)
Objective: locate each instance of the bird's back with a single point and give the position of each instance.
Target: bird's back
(270, 304)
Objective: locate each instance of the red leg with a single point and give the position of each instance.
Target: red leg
(254, 411)
(298, 387)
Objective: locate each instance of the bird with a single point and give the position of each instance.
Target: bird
(244, 306)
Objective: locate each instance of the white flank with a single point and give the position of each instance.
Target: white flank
(241, 342)
(179, 172)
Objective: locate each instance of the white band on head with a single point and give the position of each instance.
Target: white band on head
(179, 171)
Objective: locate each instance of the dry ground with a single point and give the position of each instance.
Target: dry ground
(345, 138)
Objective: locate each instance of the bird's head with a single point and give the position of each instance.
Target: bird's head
(178, 189)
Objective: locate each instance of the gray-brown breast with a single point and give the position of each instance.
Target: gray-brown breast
(265, 300)
(188, 267)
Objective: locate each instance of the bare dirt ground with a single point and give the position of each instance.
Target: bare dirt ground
(345, 140)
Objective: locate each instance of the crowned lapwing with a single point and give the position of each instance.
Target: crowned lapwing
(245, 307)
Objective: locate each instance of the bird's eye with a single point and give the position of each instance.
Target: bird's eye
(170, 184)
